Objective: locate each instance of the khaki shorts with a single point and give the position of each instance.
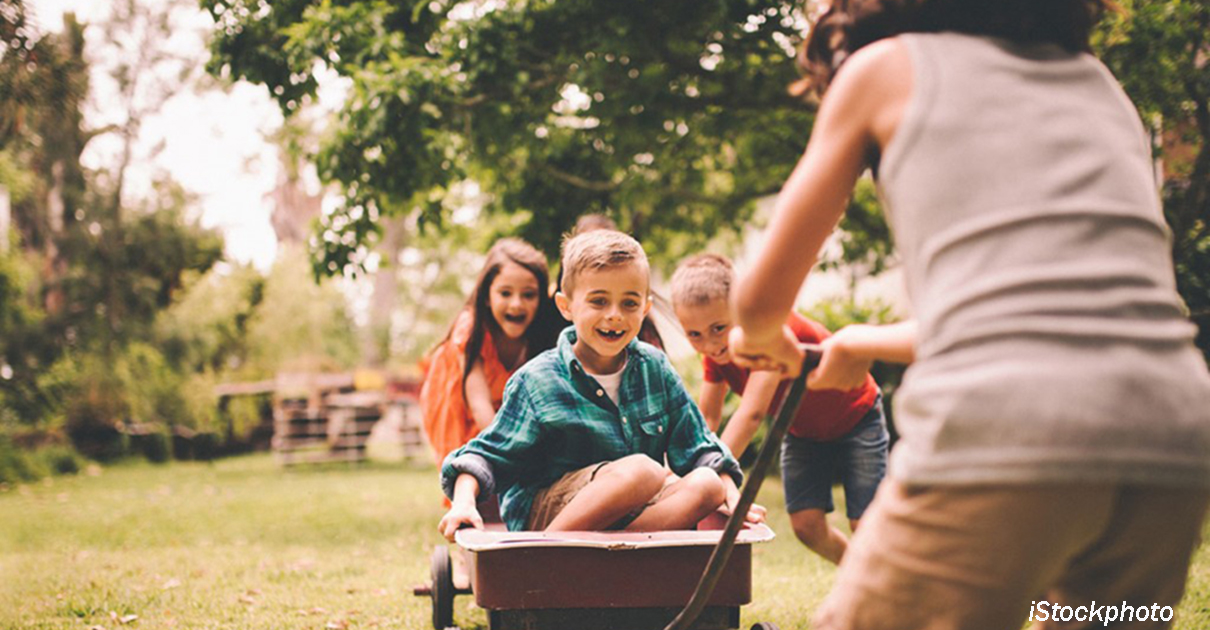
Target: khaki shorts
(552, 499)
(953, 558)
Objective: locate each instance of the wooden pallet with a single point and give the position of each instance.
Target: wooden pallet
(332, 428)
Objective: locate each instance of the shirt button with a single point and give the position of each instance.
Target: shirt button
(600, 392)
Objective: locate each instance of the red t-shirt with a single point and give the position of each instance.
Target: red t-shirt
(824, 415)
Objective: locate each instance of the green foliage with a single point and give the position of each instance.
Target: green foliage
(125, 269)
(244, 414)
(21, 465)
(16, 465)
(836, 314)
(61, 459)
(94, 403)
(154, 445)
(555, 108)
(300, 325)
(22, 348)
(113, 315)
(17, 180)
(206, 329)
(864, 237)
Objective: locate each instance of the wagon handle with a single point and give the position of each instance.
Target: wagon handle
(722, 552)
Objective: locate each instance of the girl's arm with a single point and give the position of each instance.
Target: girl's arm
(479, 396)
(862, 108)
(892, 343)
(713, 396)
(849, 353)
(753, 406)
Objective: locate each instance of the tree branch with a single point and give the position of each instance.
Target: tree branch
(580, 182)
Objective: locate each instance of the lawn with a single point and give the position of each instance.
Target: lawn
(243, 544)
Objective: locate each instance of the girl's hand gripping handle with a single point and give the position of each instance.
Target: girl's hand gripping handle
(779, 352)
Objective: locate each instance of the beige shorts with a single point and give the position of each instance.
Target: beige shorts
(934, 558)
(552, 499)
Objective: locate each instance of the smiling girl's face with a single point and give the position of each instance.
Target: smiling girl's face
(513, 299)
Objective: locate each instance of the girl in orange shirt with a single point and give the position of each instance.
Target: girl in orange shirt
(508, 318)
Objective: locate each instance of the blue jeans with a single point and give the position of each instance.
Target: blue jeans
(857, 459)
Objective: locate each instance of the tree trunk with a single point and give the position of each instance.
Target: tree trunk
(376, 342)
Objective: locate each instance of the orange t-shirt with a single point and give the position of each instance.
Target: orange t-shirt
(824, 415)
(447, 419)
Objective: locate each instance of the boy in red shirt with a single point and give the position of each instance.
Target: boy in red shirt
(836, 434)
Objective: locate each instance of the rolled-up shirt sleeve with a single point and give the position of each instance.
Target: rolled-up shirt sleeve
(497, 456)
(721, 463)
(691, 443)
(467, 464)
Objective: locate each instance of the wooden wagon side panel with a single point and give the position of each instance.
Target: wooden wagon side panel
(548, 578)
(712, 618)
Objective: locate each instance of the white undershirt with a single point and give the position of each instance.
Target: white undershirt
(611, 383)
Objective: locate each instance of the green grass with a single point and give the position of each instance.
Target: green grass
(242, 543)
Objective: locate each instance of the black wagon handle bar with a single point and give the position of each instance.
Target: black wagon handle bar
(722, 552)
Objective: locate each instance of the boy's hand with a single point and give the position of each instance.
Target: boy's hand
(779, 352)
(839, 367)
(460, 514)
(756, 513)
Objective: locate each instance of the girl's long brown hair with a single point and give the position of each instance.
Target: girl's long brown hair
(847, 25)
(542, 331)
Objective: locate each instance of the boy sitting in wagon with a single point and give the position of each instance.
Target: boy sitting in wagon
(581, 438)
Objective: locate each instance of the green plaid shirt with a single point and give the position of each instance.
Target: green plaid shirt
(557, 419)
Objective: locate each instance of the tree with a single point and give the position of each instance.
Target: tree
(554, 108)
(91, 270)
(670, 116)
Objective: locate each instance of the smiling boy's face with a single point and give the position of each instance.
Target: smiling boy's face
(708, 327)
(607, 307)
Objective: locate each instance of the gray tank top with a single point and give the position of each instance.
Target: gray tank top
(1052, 342)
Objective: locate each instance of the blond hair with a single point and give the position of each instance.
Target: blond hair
(702, 279)
(599, 249)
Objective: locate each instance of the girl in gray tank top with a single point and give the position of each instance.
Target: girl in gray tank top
(1049, 347)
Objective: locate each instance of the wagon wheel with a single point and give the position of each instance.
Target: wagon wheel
(764, 625)
(442, 589)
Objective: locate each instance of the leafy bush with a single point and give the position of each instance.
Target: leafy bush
(61, 459)
(19, 465)
(93, 406)
(244, 415)
(152, 442)
(206, 446)
(15, 464)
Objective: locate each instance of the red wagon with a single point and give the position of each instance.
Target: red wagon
(593, 580)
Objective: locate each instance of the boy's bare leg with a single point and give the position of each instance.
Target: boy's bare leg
(618, 488)
(461, 574)
(686, 502)
(812, 528)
